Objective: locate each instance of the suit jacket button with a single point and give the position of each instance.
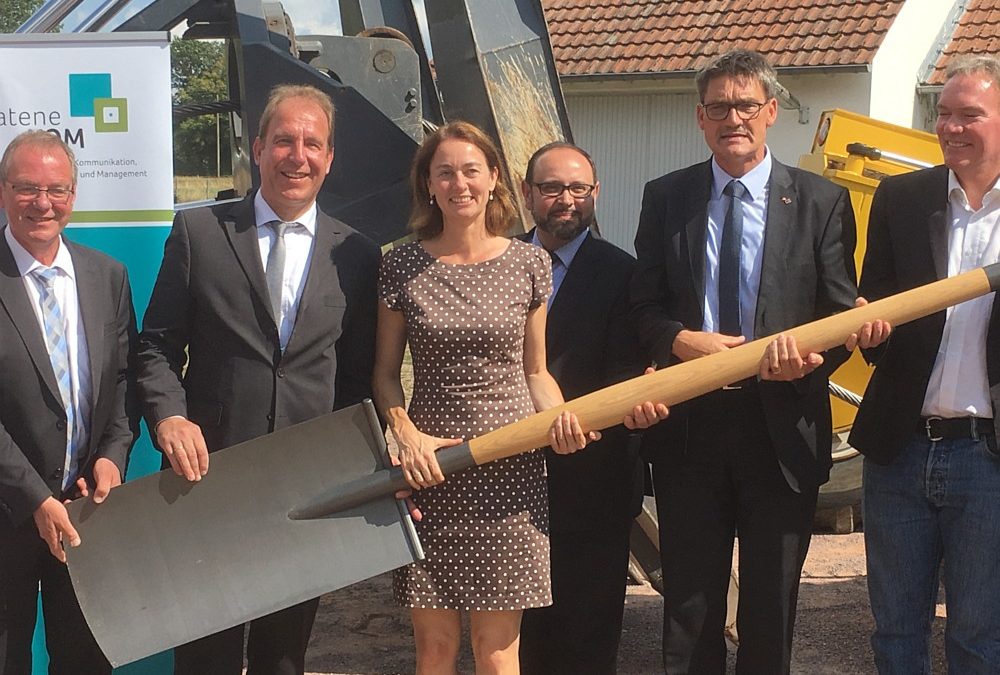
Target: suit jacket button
(57, 473)
(281, 372)
(61, 425)
(270, 417)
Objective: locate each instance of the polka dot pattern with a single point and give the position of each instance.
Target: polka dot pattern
(485, 529)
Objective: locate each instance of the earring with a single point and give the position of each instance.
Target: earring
(431, 200)
(491, 195)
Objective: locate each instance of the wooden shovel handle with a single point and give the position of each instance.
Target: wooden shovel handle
(607, 407)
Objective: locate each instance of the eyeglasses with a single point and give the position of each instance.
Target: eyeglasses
(576, 190)
(745, 110)
(56, 195)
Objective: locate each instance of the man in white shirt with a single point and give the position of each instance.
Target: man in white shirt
(66, 418)
(927, 426)
(263, 316)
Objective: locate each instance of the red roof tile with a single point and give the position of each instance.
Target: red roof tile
(657, 36)
(977, 32)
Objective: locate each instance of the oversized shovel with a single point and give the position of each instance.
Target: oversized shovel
(309, 509)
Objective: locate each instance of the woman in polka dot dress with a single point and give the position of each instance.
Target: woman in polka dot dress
(471, 303)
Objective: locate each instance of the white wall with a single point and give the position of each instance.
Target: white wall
(633, 138)
(896, 66)
(847, 90)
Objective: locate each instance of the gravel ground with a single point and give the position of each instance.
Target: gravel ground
(360, 632)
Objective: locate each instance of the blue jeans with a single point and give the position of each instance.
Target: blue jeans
(936, 501)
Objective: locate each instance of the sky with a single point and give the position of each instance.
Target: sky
(308, 16)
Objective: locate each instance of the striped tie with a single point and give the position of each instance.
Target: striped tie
(55, 339)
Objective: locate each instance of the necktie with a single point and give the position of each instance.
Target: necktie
(275, 272)
(55, 340)
(729, 260)
(555, 259)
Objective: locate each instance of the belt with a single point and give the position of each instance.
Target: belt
(954, 428)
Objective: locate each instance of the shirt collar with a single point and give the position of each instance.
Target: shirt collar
(264, 214)
(956, 193)
(755, 180)
(567, 251)
(26, 263)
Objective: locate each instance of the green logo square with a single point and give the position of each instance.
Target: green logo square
(110, 115)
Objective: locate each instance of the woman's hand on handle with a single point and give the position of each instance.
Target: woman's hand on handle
(417, 457)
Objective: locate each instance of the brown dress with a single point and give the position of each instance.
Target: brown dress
(485, 529)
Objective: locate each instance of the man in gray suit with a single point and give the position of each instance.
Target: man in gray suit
(66, 325)
(270, 304)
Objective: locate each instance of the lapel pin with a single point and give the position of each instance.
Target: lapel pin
(786, 200)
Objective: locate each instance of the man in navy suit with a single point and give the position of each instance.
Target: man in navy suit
(729, 250)
(67, 422)
(594, 494)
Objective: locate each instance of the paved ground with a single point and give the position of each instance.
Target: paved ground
(360, 632)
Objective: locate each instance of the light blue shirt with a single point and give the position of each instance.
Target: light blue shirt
(565, 254)
(751, 246)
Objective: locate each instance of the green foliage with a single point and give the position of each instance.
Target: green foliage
(198, 75)
(15, 12)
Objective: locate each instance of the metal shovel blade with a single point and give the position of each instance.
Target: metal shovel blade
(164, 561)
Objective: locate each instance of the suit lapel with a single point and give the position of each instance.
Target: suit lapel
(937, 223)
(779, 224)
(696, 228)
(327, 233)
(89, 298)
(14, 300)
(241, 229)
(579, 277)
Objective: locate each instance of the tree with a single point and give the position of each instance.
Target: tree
(198, 75)
(15, 12)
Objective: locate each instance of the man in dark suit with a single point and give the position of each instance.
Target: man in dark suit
(730, 250)
(271, 306)
(927, 426)
(594, 494)
(66, 422)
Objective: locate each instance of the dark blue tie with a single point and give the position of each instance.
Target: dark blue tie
(729, 260)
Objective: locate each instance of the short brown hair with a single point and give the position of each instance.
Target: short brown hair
(37, 138)
(738, 64)
(425, 218)
(282, 92)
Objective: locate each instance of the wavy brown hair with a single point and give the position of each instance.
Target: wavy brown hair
(425, 218)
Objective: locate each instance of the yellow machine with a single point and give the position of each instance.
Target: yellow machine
(858, 152)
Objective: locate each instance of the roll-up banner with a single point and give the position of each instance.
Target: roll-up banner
(108, 96)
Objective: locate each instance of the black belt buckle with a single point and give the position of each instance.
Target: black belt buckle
(930, 434)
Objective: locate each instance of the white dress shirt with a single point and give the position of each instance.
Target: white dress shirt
(298, 252)
(751, 246)
(64, 287)
(958, 386)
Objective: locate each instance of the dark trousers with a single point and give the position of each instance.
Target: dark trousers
(25, 562)
(578, 634)
(276, 646)
(727, 483)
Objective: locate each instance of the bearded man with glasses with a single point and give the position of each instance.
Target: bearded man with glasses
(67, 419)
(729, 250)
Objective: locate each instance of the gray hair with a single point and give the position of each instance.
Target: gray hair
(975, 64)
(739, 64)
(39, 139)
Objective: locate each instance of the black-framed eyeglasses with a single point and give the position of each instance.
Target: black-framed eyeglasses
(56, 195)
(576, 190)
(745, 110)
